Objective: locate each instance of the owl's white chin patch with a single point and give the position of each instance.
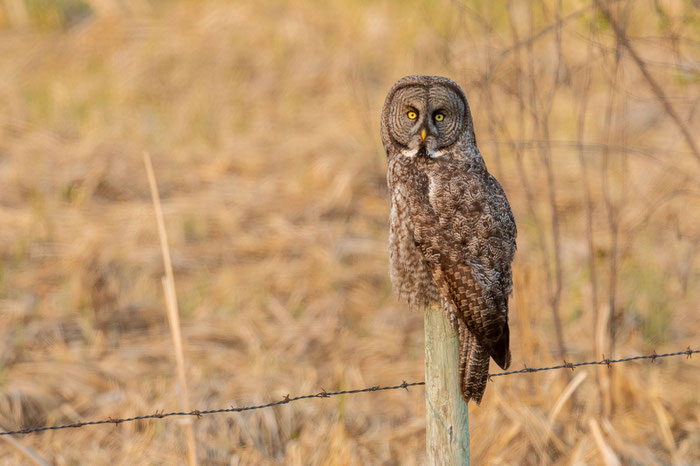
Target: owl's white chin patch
(435, 154)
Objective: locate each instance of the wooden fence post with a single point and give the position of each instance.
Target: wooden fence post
(447, 418)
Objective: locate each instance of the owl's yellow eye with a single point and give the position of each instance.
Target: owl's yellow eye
(412, 115)
(439, 117)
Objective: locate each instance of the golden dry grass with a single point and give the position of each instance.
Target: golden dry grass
(262, 121)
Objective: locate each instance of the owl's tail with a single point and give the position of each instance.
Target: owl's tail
(500, 350)
(473, 365)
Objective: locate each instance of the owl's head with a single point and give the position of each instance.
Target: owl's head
(425, 115)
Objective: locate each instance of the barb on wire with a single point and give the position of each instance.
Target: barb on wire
(325, 394)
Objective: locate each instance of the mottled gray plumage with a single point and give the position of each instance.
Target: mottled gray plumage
(452, 232)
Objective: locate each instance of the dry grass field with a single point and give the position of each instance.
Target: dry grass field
(262, 119)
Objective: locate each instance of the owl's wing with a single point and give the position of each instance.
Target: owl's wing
(467, 237)
(482, 308)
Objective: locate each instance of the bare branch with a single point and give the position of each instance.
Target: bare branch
(656, 89)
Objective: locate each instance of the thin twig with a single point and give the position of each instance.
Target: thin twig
(171, 307)
(541, 125)
(605, 327)
(25, 450)
(593, 272)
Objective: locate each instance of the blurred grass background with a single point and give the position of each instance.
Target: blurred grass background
(262, 119)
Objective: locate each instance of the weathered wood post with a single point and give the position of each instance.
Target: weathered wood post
(447, 418)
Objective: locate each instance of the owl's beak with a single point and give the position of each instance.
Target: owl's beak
(422, 134)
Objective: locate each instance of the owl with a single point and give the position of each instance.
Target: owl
(452, 232)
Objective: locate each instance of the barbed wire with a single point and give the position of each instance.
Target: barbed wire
(325, 394)
(603, 362)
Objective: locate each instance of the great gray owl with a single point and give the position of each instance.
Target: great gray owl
(452, 232)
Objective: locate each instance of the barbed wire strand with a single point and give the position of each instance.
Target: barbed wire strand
(324, 394)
